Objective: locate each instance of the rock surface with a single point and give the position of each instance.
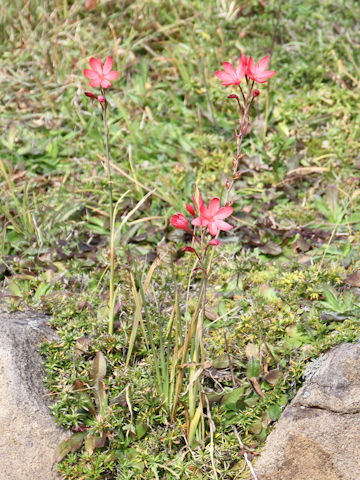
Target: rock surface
(28, 435)
(318, 435)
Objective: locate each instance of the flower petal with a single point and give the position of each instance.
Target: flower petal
(229, 68)
(250, 67)
(262, 77)
(95, 83)
(262, 65)
(214, 206)
(223, 213)
(112, 75)
(221, 225)
(213, 229)
(204, 212)
(96, 65)
(223, 76)
(105, 83)
(90, 74)
(241, 69)
(197, 222)
(107, 65)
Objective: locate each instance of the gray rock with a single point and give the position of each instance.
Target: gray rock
(318, 435)
(28, 435)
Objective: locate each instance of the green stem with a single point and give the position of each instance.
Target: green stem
(112, 223)
(185, 348)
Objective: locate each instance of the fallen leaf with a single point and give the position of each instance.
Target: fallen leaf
(272, 376)
(303, 171)
(256, 386)
(271, 248)
(353, 280)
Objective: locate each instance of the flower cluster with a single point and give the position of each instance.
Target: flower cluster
(246, 68)
(209, 218)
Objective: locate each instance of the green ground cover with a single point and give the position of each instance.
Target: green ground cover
(285, 283)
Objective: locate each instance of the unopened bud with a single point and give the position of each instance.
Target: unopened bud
(99, 98)
(214, 242)
(241, 156)
(188, 249)
(228, 184)
(256, 93)
(236, 175)
(179, 221)
(234, 162)
(190, 209)
(233, 96)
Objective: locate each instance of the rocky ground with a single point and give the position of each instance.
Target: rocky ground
(318, 435)
(28, 435)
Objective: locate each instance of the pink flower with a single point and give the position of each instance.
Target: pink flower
(179, 221)
(231, 76)
(101, 75)
(258, 72)
(213, 217)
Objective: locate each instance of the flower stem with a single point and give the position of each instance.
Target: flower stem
(112, 223)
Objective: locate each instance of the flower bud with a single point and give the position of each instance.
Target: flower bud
(233, 96)
(179, 221)
(99, 98)
(188, 249)
(236, 175)
(214, 242)
(190, 209)
(256, 93)
(228, 184)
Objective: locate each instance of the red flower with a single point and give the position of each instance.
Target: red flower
(101, 75)
(258, 72)
(213, 217)
(231, 76)
(179, 221)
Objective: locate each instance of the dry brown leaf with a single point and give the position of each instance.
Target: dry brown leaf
(256, 386)
(354, 279)
(303, 171)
